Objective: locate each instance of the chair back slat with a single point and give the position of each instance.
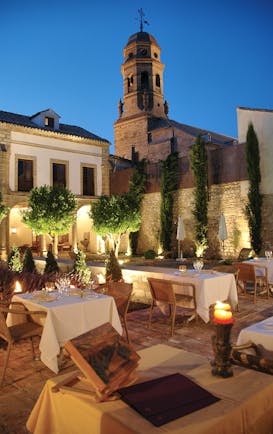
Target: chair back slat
(161, 290)
(246, 272)
(121, 292)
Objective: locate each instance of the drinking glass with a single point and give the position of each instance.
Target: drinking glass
(198, 265)
(268, 254)
(49, 286)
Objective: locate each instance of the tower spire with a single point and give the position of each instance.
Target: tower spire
(141, 19)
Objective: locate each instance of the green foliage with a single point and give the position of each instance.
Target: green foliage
(28, 262)
(51, 264)
(138, 181)
(137, 186)
(149, 254)
(114, 216)
(14, 259)
(254, 206)
(113, 271)
(52, 210)
(169, 181)
(3, 209)
(80, 269)
(198, 160)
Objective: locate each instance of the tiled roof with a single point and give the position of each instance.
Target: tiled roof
(219, 139)
(25, 121)
(255, 109)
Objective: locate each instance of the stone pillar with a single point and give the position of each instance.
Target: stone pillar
(4, 237)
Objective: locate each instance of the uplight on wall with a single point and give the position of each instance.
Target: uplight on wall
(13, 230)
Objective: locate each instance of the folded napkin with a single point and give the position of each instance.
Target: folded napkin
(167, 398)
(44, 297)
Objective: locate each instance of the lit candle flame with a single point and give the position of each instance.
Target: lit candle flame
(222, 313)
(222, 306)
(101, 278)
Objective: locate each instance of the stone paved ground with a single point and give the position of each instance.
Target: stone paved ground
(25, 378)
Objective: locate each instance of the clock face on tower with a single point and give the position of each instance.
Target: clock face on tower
(142, 51)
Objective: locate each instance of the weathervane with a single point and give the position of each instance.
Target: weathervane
(141, 20)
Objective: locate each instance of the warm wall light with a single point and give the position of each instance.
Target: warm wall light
(13, 230)
(17, 287)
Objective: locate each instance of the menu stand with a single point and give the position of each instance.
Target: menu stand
(106, 363)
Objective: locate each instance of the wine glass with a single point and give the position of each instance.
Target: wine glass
(268, 254)
(198, 265)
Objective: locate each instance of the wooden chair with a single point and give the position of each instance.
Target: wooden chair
(26, 330)
(121, 292)
(244, 254)
(250, 281)
(162, 291)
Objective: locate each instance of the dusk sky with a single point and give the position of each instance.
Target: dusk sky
(66, 55)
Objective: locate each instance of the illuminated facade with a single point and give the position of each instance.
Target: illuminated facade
(39, 150)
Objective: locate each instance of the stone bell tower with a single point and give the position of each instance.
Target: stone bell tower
(143, 98)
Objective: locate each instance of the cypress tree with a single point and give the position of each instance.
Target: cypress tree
(14, 259)
(169, 181)
(198, 159)
(113, 271)
(51, 264)
(28, 262)
(254, 206)
(80, 268)
(137, 185)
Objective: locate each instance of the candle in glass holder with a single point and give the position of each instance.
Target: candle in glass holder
(223, 316)
(183, 268)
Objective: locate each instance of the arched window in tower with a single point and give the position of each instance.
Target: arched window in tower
(144, 80)
(130, 81)
(157, 80)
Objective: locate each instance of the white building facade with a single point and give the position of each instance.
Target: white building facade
(39, 150)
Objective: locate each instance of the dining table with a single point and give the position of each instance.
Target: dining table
(69, 315)
(259, 333)
(264, 262)
(244, 402)
(210, 286)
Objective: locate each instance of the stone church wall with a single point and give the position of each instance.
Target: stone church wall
(126, 136)
(227, 198)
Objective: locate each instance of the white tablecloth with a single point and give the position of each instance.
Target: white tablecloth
(268, 263)
(211, 286)
(258, 333)
(68, 317)
(246, 404)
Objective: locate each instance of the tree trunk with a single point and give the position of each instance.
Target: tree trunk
(43, 245)
(55, 246)
(117, 244)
